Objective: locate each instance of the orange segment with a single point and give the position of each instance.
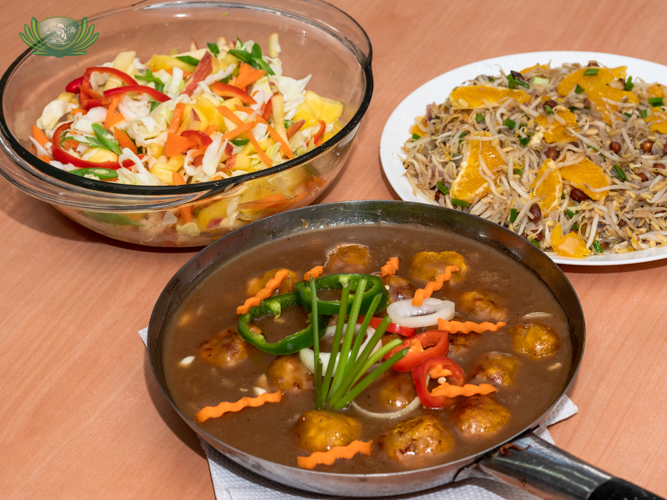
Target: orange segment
(587, 173)
(556, 131)
(474, 96)
(588, 82)
(469, 183)
(601, 97)
(551, 186)
(570, 246)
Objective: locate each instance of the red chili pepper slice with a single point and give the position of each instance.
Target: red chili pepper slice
(199, 136)
(320, 133)
(74, 85)
(420, 372)
(137, 89)
(268, 109)
(89, 98)
(393, 327)
(226, 90)
(422, 346)
(202, 70)
(62, 156)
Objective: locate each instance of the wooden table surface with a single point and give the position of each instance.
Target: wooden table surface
(82, 416)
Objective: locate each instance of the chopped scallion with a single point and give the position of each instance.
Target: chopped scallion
(511, 82)
(442, 188)
(549, 110)
(597, 247)
(644, 113)
(619, 172)
(415, 137)
(574, 227)
(525, 140)
(628, 84)
(569, 213)
(188, 60)
(522, 83)
(213, 47)
(655, 101)
(513, 214)
(518, 171)
(578, 89)
(479, 117)
(628, 115)
(591, 71)
(535, 243)
(239, 142)
(509, 123)
(460, 203)
(491, 79)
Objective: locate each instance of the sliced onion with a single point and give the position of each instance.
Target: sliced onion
(394, 414)
(403, 313)
(536, 315)
(307, 355)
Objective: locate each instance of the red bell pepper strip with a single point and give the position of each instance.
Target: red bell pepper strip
(226, 90)
(89, 98)
(268, 109)
(318, 136)
(294, 128)
(60, 155)
(137, 89)
(437, 363)
(393, 327)
(422, 346)
(202, 70)
(199, 136)
(74, 85)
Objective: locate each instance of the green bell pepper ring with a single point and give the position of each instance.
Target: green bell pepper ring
(290, 344)
(374, 286)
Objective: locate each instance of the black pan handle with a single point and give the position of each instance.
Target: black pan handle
(536, 465)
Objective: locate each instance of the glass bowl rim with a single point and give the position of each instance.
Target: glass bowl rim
(223, 185)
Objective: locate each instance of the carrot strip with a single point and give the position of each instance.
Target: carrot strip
(315, 273)
(124, 140)
(176, 144)
(468, 326)
(330, 456)
(114, 120)
(390, 267)
(264, 293)
(178, 179)
(229, 114)
(239, 130)
(245, 109)
(45, 158)
(432, 286)
(39, 135)
(284, 147)
(176, 118)
(276, 202)
(78, 110)
(248, 75)
(211, 128)
(262, 155)
(226, 407)
(451, 391)
(110, 111)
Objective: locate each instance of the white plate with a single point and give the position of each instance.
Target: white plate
(397, 129)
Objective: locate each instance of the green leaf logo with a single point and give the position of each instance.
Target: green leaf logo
(59, 36)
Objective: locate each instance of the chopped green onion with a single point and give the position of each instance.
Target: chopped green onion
(511, 82)
(523, 84)
(239, 142)
(535, 243)
(578, 89)
(416, 137)
(620, 173)
(213, 47)
(644, 113)
(562, 196)
(456, 155)
(154, 105)
(491, 79)
(253, 58)
(656, 101)
(525, 140)
(101, 173)
(316, 345)
(597, 247)
(518, 171)
(628, 115)
(538, 80)
(628, 84)
(509, 123)
(442, 188)
(460, 203)
(226, 79)
(188, 60)
(150, 77)
(591, 72)
(463, 134)
(574, 227)
(513, 214)
(479, 117)
(569, 213)
(549, 110)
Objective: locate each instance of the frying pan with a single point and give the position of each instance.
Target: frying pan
(524, 459)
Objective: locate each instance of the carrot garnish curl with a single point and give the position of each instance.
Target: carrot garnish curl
(432, 286)
(226, 407)
(330, 456)
(468, 326)
(264, 293)
(315, 273)
(438, 371)
(390, 267)
(451, 391)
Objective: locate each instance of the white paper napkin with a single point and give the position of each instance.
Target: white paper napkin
(233, 482)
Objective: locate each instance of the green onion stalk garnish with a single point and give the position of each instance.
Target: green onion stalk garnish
(345, 377)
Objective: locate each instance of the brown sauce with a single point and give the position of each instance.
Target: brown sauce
(267, 431)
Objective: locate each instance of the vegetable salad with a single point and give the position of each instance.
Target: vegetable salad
(204, 115)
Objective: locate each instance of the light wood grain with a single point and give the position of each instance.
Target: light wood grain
(81, 414)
